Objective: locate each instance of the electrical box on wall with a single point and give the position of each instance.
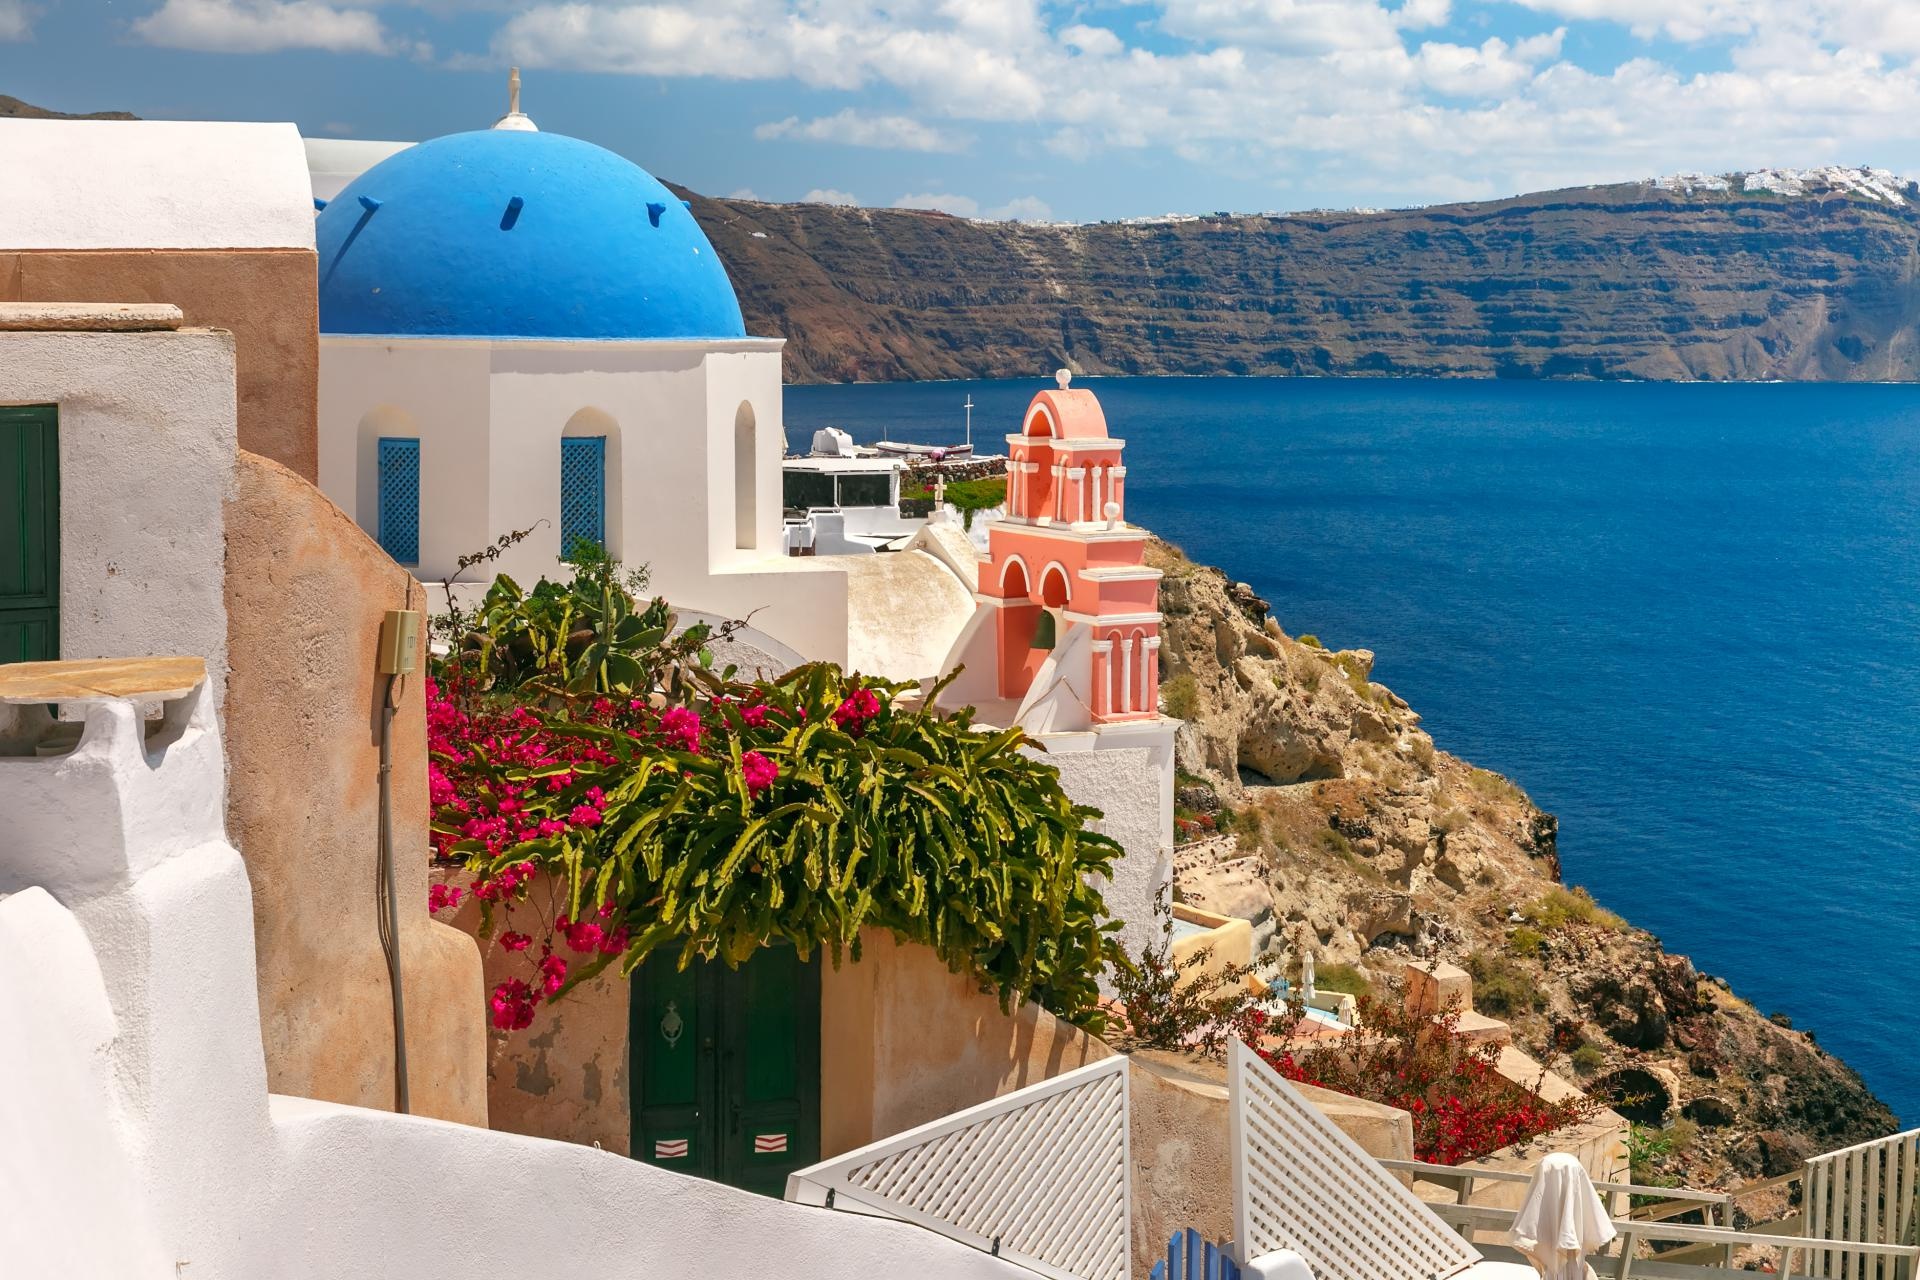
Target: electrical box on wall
(399, 641)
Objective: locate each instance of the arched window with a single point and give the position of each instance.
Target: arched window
(583, 492)
(398, 527)
(746, 504)
(590, 482)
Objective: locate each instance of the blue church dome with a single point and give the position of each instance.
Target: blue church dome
(512, 233)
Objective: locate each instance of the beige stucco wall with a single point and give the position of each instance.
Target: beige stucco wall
(1228, 940)
(904, 1041)
(266, 298)
(305, 593)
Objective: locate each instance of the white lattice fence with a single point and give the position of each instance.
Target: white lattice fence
(1299, 1183)
(1869, 1194)
(1038, 1177)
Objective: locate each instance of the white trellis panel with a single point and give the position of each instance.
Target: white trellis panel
(1299, 1183)
(1038, 1177)
(1868, 1194)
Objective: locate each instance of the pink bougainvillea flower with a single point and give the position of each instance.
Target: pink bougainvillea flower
(682, 725)
(583, 937)
(513, 941)
(553, 975)
(440, 897)
(584, 815)
(754, 715)
(758, 771)
(512, 1005)
(853, 713)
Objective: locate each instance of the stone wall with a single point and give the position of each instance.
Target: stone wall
(305, 593)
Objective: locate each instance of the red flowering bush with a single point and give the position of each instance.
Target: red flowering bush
(1462, 1107)
(669, 806)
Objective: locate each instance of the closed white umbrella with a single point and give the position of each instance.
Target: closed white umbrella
(1562, 1220)
(1306, 974)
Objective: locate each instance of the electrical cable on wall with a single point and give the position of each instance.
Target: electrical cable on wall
(399, 642)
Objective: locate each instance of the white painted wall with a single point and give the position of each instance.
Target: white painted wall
(1126, 771)
(147, 446)
(489, 416)
(154, 184)
(141, 1141)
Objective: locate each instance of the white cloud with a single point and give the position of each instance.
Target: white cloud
(1489, 71)
(1022, 209)
(743, 193)
(1095, 42)
(263, 26)
(958, 206)
(16, 23)
(1415, 14)
(854, 129)
(827, 195)
(1383, 100)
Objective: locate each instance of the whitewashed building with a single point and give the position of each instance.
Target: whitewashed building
(524, 331)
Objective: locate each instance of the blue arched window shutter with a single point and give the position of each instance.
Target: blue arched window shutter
(399, 528)
(583, 491)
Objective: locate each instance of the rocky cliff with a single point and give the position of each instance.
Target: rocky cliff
(1712, 280)
(1372, 847)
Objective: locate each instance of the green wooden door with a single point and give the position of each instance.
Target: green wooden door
(725, 1065)
(29, 534)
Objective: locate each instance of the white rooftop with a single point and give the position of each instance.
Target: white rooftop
(153, 184)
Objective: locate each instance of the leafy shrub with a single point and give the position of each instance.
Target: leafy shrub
(1450, 820)
(965, 496)
(1462, 1108)
(1492, 786)
(678, 808)
(1330, 841)
(1501, 987)
(1180, 697)
(1588, 1059)
(1421, 752)
(1527, 942)
(1310, 640)
(1172, 1005)
(1561, 906)
(1343, 978)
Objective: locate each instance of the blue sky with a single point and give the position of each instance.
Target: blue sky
(1022, 108)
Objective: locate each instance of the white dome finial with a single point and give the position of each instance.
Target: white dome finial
(515, 119)
(1063, 377)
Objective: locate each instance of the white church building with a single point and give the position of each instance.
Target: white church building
(524, 331)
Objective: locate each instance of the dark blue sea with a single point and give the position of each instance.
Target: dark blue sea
(1686, 618)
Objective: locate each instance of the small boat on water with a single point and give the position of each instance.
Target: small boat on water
(931, 452)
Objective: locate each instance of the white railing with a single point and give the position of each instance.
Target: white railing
(1299, 1183)
(1866, 1194)
(1623, 1261)
(1040, 1177)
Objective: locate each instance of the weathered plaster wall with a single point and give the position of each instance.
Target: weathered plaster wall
(146, 461)
(1127, 773)
(264, 297)
(1182, 1163)
(905, 1041)
(564, 1077)
(306, 591)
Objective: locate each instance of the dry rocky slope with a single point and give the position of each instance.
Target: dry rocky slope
(1625, 281)
(1373, 847)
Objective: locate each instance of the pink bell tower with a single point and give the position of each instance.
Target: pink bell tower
(1065, 640)
(1064, 571)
